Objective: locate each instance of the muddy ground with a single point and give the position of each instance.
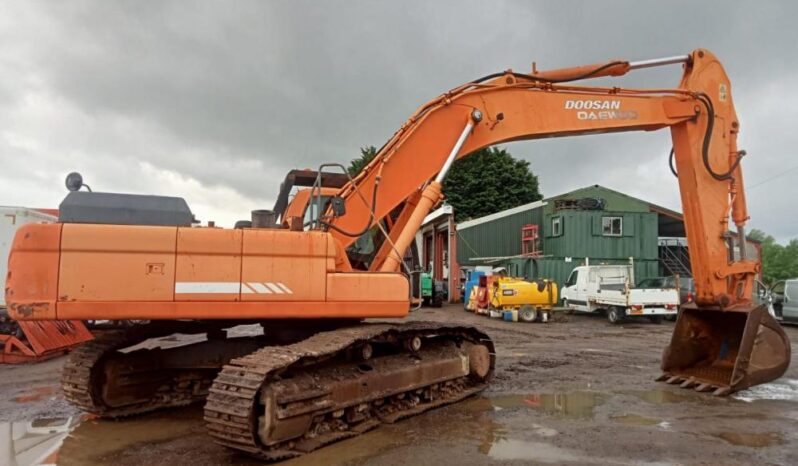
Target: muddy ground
(576, 392)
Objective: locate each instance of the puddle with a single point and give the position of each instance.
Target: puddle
(636, 420)
(660, 396)
(565, 405)
(36, 394)
(755, 440)
(86, 440)
(368, 445)
(781, 389)
(96, 440)
(33, 442)
(541, 452)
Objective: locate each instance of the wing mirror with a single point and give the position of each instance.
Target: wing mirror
(74, 181)
(338, 206)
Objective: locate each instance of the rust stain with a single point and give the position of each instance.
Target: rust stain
(37, 394)
(27, 310)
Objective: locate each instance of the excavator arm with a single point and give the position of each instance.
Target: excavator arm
(723, 342)
(512, 107)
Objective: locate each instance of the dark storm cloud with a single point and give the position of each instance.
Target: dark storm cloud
(219, 100)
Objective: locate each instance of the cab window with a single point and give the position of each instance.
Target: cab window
(311, 211)
(572, 278)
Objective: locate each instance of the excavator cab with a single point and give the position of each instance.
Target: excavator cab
(725, 351)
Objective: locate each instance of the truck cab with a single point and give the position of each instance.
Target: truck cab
(610, 289)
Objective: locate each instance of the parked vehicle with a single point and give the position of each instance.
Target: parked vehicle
(784, 300)
(526, 301)
(608, 288)
(472, 282)
(685, 285)
(433, 292)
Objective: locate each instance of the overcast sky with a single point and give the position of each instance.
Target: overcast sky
(216, 101)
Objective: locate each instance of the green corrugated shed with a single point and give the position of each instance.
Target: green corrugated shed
(499, 236)
(495, 238)
(613, 200)
(582, 236)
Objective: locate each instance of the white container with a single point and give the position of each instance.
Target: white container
(11, 218)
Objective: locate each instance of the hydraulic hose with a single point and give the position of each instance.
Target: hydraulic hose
(707, 102)
(708, 137)
(553, 81)
(368, 222)
(670, 164)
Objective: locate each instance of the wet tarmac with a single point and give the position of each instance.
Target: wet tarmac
(484, 429)
(558, 406)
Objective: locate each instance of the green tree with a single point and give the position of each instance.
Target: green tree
(488, 181)
(779, 262)
(366, 154)
(482, 183)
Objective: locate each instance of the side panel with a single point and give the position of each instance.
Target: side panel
(117, 263)
(281, 265)
(32, 279)
(12, 218)
(372, 287)
(208, 264)
(230, 310)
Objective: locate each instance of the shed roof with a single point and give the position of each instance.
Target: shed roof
(501, 214)
(670, 222)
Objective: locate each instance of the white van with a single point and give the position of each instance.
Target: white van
(610, 288)
(784, 300)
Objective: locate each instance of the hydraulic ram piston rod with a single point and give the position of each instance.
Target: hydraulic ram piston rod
(636, 65)
(429, 198)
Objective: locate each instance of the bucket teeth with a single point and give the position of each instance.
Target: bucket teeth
(689, 383)
(663, 377)
(704, 387)
(674, 380)
(722, 391)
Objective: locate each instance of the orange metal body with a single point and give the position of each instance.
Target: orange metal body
(137, 272)
(77, 271)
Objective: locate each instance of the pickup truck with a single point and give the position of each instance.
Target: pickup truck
(609, 288)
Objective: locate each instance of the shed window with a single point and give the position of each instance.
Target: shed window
(612, 226)
(556, 226)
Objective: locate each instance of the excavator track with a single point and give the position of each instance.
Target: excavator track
(76, 378)
(284, 401)
(101, 379)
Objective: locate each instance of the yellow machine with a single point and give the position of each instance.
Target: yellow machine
(531, 301)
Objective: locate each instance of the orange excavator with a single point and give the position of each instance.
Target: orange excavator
(309, 273)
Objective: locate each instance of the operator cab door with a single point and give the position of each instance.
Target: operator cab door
(576, 290)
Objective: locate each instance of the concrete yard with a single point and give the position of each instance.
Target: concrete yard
(576, 392)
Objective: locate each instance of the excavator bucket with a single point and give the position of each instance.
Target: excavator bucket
(725, 351)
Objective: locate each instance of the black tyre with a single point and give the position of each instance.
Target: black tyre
(615, 315)
(527, 313)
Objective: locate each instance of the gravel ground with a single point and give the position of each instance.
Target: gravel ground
(575, 392)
